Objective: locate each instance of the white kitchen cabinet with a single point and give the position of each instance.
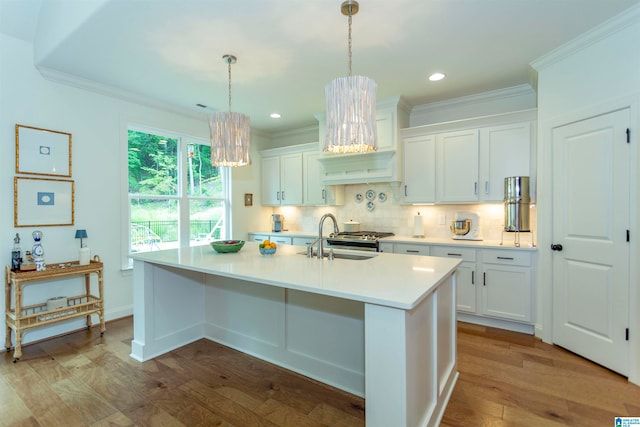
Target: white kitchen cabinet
(281, 182)
(302, 241)
(382, 165)
(467, 293)
(253, 237)
(315, 192)
(419, 165)
(505, 151)
(472, 158)
(494, 286)
(270, 180)
(279, 239)
(507, 286)
(386, 247)
(411, 249)
(457, 175)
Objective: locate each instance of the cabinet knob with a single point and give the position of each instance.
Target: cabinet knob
(556, 247)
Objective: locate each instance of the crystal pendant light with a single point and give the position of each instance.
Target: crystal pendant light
(230, 133)
(351, 107)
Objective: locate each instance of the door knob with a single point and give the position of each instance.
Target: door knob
(556, 247)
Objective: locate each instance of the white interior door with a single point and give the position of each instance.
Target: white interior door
(590, 223)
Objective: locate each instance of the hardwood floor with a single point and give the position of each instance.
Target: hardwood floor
(82, 379)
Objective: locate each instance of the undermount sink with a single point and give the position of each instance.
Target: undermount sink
(343, 255)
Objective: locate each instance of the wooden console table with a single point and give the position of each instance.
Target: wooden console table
(20, 318)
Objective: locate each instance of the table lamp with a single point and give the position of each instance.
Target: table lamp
(81, 234)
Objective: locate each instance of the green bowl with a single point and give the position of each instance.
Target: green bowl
(227, 246)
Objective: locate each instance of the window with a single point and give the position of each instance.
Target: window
(176, 198)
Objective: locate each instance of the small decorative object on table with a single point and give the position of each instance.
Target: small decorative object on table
(227, 246)
(16, 254)
(267, 247)
(38, 251)
(85, 253)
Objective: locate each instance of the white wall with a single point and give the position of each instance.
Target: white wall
(98, 127)
(597, 73)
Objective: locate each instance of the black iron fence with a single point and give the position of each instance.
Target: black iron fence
(167, 231)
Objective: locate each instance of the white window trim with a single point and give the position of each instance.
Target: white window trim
(182, 197)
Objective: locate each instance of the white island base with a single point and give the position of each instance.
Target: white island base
(400, 356)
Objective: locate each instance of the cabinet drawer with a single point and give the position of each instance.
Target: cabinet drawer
(496, 256)
(258, 237)
(409, 249)
(303, 241)
(465, 254)
(281, 240)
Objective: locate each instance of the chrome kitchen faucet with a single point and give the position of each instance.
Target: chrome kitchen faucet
(320, 238)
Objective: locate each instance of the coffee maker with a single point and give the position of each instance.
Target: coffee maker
(277, 223)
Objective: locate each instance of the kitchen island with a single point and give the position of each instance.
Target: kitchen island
(383, 328)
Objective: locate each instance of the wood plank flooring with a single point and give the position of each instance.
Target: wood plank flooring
(82, 379)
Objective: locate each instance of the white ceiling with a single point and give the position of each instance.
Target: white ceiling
(170, 51)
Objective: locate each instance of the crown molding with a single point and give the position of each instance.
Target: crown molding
(113, 92)
(618, 23)
(494, 95)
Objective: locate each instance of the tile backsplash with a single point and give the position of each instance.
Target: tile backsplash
(389, 215)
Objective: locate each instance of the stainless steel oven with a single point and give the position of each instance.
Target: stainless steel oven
(358, 241)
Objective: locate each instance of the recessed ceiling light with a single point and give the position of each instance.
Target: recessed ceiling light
(436, 76)
(275, 115)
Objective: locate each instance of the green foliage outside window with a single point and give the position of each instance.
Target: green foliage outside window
(153, 170)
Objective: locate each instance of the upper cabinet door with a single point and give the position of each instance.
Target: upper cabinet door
(505, 151)
(419, 169)
(291, 179)
(270, 182)
(458, 154)
(282, 180)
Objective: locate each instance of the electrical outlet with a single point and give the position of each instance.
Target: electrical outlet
(443, 220)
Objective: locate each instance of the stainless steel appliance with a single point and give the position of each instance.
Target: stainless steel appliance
(517, 208)
(357, 240)
(277, 223)
(516, 203)
(466, 226)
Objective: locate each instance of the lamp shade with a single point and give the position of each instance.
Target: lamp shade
(81, 234)
(351, 115)
(230, 139)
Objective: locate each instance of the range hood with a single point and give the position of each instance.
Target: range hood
(376, 166)
(384, 165)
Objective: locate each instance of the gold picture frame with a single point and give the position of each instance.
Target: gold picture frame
(248, 199)
(42, 151)
(42, 202)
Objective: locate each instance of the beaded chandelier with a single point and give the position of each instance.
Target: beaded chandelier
(230, 133)
(351, 107)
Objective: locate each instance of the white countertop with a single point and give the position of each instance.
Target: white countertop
(393, 280)
(443, 241)
(481, 244)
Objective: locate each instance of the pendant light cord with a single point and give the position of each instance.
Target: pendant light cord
(229, 67)
(350, 42)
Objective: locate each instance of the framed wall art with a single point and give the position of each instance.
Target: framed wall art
(42, 151)
(41, 202)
